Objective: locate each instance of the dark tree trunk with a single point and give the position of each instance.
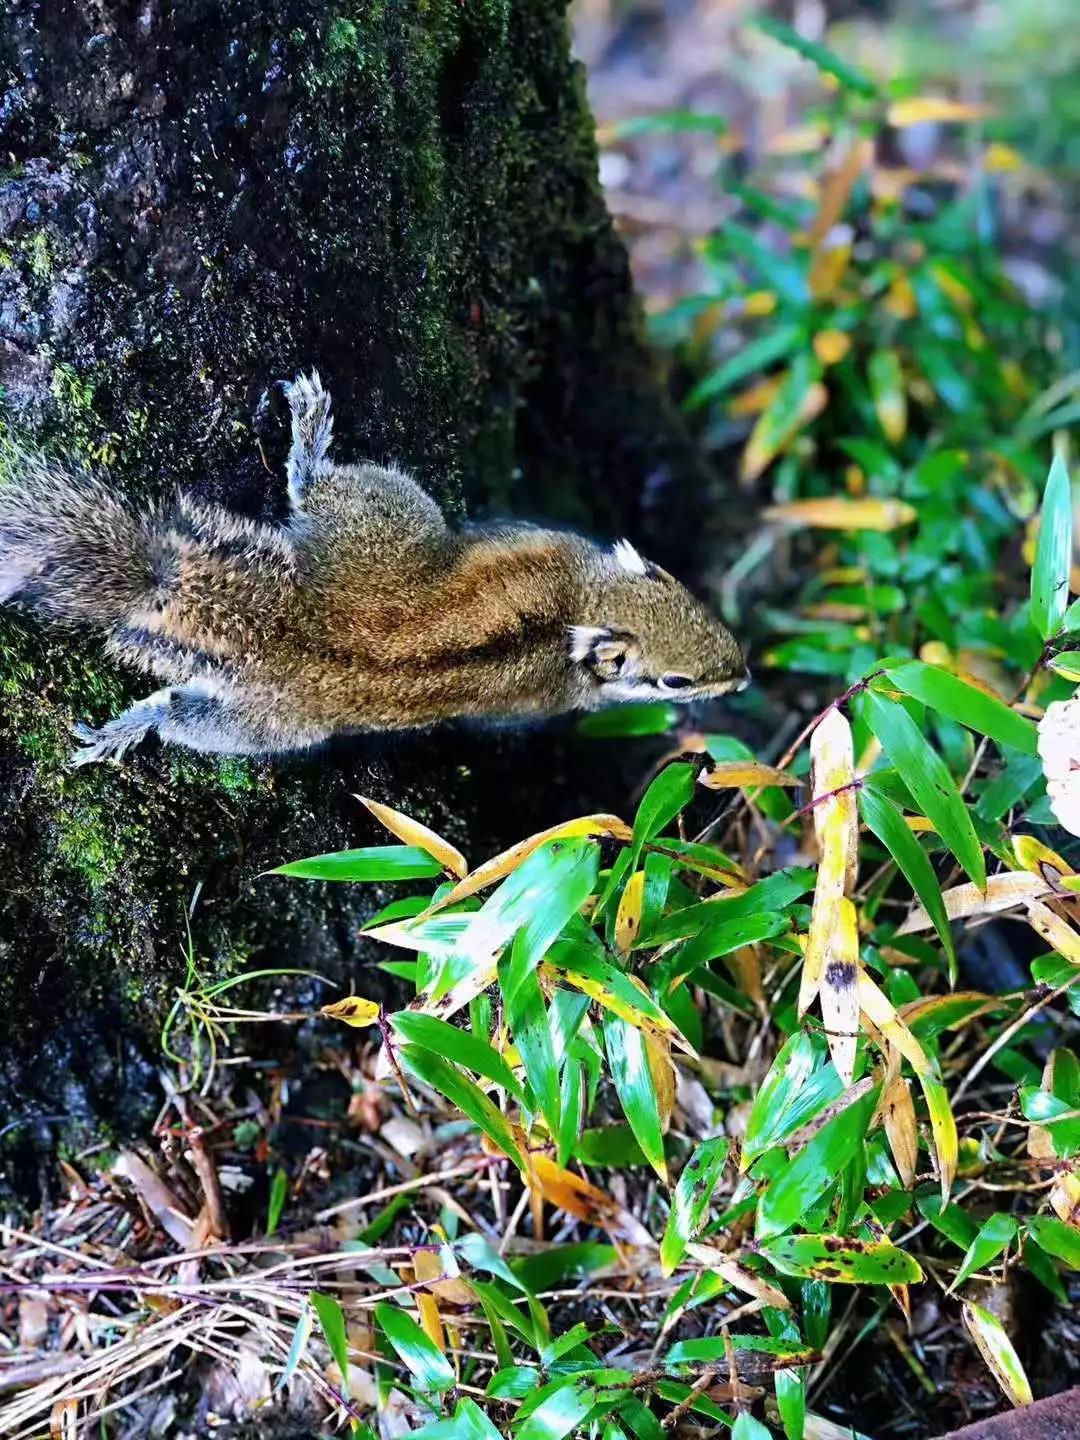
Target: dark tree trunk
(197, 199)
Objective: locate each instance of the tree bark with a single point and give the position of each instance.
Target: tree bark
(200, 198)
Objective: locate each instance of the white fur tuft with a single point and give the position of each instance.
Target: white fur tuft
(628, 559)
(583, 638)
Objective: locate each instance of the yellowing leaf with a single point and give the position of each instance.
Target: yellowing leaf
(742, 1278)
(628, 918)
(413, 833)
(838, 512)
(501, 865)
(759, 302)
(771, 434)
(839, 991)
(837, 187)
(900, 300)
(741, 774)
(571, 1193)
(430, 1320)
(662, 1070)
(754, 400)
(881, 1012)
(1003, 892)
(1065, 1198)
(836, 826)
(830, 346)
(830, 263)
(1033, 855)
(999, 159)
(997, 1350)
(924, 109)
(887, 388)
(1056, 931)
(353, 1010)
(901, 1130)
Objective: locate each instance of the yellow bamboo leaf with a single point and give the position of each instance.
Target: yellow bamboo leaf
(838, 512)
(882, 1013)
(919, 824)
(754, 400)
(745, 967)
(768, 439)
(1033, 855)
(1001, 159)
(1055, 931)
(501, 865)
(835, 820)
(886, 378)
(662, 1070)
(830, 346)
(1004, 891)
(759, 302)
(901, 1129)
(353, 1010)
(1065, 1197)
(830, 263)
(571, 1193)
(628, 918)
(837, 187)
(997, 1350)
(655, 1024)
(953, 287)
(798, 140)
(742, 774)
(924, 109)
(900, 300)
(839, 991)
(430, 1268)
(413, 833)
(430, 1320)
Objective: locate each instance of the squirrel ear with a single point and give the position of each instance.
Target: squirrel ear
(604, 651)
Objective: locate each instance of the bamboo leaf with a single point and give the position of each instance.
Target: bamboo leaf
(373, 862)
(839, 512)
(927, 777)
(441, 1075)
(1053, 554)
(842, 1260)
(690, 1202)
(461, 1046)
(752, 358)
(415, 1349)
(994, 1235)
(887, 389)
(887, 823)
(1056, 1237)
(820, 55)
(997, 1350)
(951, 696)
(413, 833)
(634, 1086)
(332, 1324)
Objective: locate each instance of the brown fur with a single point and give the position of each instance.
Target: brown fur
(364, 611)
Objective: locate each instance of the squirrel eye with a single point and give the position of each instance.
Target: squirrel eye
(675, 682)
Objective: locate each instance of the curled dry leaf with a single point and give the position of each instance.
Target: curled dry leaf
(901, 1130)
(744, 774)
(838, 512)
(586, 1202)
(413, 833)
(353, 1010)
(744, 1279)
(1004, 891)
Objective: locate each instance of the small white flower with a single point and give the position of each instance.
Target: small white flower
(1059, 751)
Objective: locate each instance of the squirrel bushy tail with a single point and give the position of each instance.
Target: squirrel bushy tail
(68, 547)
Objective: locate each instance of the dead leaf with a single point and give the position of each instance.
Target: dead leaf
(353, 1010)
(411, 832)
(742, 774)
(1004, 891)
(157, 1197)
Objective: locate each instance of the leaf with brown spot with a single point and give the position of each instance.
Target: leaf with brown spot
(744, 774)
(628, 917)
(1004, 891)
(901, 1129)
(836, 828)
(353, 1010)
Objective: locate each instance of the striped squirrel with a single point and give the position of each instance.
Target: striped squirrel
(363, 611)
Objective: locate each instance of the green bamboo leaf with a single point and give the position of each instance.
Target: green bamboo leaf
(825, 59)
(468, 1422)
(568, 1138)
(1056, 1238)
(842, 1260)
(718, 939)
(995, 1233)
(374, 862)
(806, 1177)
(796, 1087)
(951, 696)
(885, 821)
(647, 718)
(927, 777)
(1053, 554)
(669, 793)
(305, 1322)
(887, 389)
(690, 1202)
(758, 355)
(775, 892)
(441, 1075)
(461, 1046)
(1058, 1117)
(747, 1428)
(630, 1073)
(530, 1026)
(419, 1353)
(559, 1412)
(332, 1324)
(997, 1350)
(670, 122)
(279, 1190)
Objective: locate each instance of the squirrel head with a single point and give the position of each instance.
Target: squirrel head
(647, 638)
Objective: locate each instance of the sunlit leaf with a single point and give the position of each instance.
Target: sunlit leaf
(413, 833)
(997, 1350)
(353, 1010)
(954, 697)
(887, 388)
(559, 1413)
(690, 1201)
(1053, 554)
(415, 1349)
(927, 777)
(839, 512)
(930, 109)
(842, 1260)
(634, 1086)
(1004, 891)
(468, 1422)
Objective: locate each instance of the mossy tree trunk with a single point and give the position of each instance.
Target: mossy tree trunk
(196, 199)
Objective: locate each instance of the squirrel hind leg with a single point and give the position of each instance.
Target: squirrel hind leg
(312, 432)
(117, 736)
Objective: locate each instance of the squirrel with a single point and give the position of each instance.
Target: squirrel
(363, 611)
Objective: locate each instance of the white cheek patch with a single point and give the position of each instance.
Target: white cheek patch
(617, 690)
(628, 559)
